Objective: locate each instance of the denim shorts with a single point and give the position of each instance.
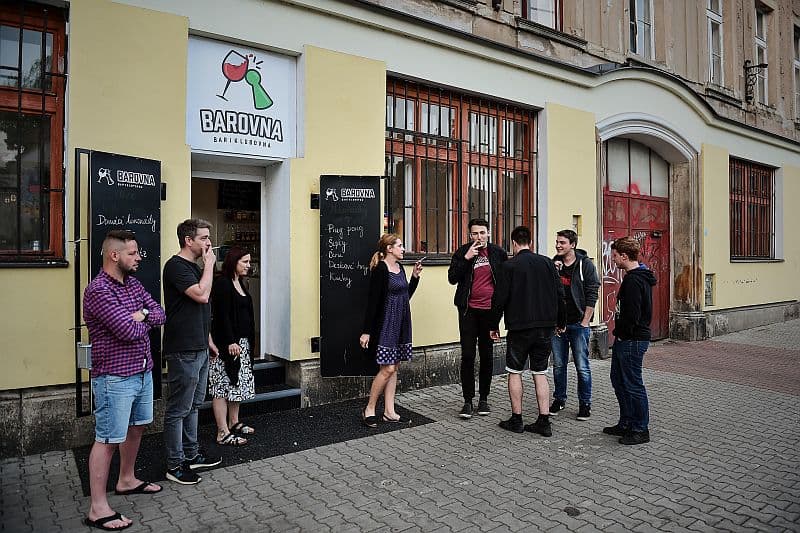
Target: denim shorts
(121, 402)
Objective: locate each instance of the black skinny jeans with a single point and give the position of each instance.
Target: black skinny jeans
(474, 325)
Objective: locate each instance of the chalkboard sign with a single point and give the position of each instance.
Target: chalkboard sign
(244, 195)
(125, 193)
(350, 218)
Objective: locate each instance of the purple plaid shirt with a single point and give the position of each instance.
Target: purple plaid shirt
(120, 345)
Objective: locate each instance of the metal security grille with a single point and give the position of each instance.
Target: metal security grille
(451, 157)
(751, 201)
(32, 44)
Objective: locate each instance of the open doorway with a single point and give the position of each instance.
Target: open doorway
(234, 209)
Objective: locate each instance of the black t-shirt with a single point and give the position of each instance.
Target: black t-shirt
(186, 328)
(573, 313)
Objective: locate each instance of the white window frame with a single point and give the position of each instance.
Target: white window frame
(637, 23)
(535, 14)
(761, 55)
(796, 70)
(715, 19)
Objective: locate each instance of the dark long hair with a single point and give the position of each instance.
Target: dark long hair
(231, 258)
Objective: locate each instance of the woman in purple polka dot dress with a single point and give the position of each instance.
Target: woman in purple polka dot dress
(387, 324)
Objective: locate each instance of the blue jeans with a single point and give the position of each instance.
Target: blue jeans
(626, 378)
(578, 337)
(187, 379)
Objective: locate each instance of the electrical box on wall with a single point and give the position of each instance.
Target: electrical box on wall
(577, 224)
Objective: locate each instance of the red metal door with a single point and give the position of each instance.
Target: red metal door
(645, 218)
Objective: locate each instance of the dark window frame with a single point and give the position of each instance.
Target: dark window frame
(752, 210)
(410, 150)
(45, 103)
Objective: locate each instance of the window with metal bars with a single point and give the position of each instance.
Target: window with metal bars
(752, 212)
(32, 82)
(451, 157)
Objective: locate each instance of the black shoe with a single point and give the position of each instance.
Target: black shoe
(635, 437)
(542, 426)
(466, 411)
(584, 412)
(201, 460)
(616, 430)
(513, 424)
(183, 474)
(556, 406)
(483, 408)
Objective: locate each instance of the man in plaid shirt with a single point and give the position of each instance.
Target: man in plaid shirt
(119, 313)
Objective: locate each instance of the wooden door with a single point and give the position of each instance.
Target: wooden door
(631, 208)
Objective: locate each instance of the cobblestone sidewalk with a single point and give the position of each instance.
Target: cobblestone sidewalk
(724, 457)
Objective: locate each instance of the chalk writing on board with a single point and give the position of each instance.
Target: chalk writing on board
(342, 267)
(127, 221)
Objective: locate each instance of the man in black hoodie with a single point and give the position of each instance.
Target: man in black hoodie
(531, 297)
(632, 338)
(474, 268)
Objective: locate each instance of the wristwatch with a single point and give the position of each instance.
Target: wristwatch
(145, 312)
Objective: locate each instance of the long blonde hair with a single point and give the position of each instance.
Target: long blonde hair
(386, 240)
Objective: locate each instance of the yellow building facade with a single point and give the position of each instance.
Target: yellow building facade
(129, 91)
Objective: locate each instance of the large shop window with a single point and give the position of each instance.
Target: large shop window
(451, 157)
(32, 81)
(752, 200)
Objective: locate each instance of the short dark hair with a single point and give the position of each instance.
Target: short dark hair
(569, 234)
(628, 246)
(116, 236)
(521, 235)
(231, 258)
(189, 227)
(478, 222)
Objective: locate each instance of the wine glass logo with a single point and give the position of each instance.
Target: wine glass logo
(236, 67)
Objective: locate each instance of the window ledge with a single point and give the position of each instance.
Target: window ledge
(636, 59)
(757, 260)
(468, 5)
(723, 94)
(550, 33)
(35, 263)
(430, 260)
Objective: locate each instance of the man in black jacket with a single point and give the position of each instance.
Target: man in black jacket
(581, 283)
(531, 298)
(474, 269)
(632, 338)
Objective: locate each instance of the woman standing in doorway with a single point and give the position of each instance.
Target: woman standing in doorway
(230, 377)
(387, 324)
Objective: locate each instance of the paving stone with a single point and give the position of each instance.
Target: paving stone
(451, 475)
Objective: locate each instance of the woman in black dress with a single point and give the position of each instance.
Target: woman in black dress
(230, 376)
(387, 324)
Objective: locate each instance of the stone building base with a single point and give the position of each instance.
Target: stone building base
(43, 419)
(697, 325)
(431, 366)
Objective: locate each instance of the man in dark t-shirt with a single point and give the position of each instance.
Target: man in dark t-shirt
(474, 267)
(187, 342)
(581, 284)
